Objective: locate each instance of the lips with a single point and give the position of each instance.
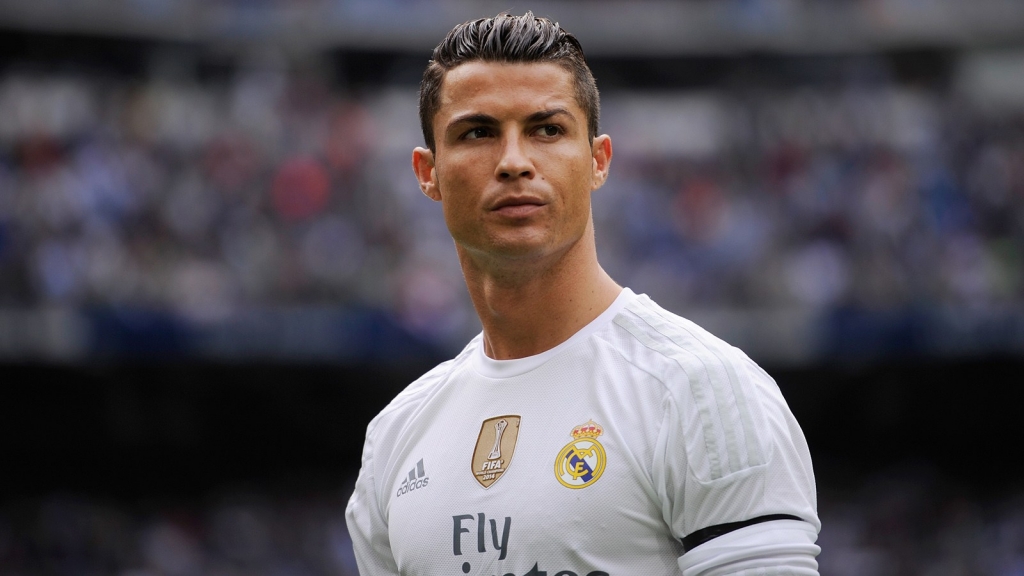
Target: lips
(517, 206)
(517, 202)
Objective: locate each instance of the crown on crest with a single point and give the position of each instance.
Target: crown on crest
(589, 430)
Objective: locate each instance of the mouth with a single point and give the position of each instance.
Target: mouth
(517, 206)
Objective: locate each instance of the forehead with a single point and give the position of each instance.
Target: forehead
(498, 87)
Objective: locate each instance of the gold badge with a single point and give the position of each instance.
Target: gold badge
(581, 462)
(494, 448)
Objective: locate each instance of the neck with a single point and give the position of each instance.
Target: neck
(529, 306)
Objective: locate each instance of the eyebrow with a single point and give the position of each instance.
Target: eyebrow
(488, 120)
(481, 119)
(546, 114)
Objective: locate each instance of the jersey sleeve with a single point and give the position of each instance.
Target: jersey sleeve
(367, 525)
(786, 546)
(733, 462)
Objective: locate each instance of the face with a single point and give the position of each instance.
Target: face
(513, 166)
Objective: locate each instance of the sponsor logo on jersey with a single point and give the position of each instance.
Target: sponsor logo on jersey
(494, 448)
(416, 479)
(581, 462)
(497, 539)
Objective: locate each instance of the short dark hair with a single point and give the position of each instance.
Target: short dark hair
(512, 39)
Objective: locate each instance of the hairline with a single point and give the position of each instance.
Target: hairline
(563, 49)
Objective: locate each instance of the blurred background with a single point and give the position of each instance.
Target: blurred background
(216, 265)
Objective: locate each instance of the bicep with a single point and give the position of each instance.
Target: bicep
(717, 501)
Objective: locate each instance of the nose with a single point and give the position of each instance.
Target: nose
(514, 162)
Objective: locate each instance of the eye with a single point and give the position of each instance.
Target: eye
(475, 133)
(549, 130)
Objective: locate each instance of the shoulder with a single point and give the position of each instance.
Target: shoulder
(408, 402)
(729, 442)
(671, 346)
(717, 396)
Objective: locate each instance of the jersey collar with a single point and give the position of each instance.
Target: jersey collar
(497, 369)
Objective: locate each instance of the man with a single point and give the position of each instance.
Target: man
(586, 431)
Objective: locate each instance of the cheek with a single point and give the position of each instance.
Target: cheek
(461, 171)
(579, 179)
(456, 204)
(578, 165)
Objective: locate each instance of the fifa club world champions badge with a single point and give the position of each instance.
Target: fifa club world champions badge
(495, 445)
(581, 462)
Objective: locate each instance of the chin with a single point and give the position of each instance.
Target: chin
(532, 248)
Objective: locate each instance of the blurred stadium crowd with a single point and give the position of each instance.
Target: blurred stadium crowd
(273, 188)
(241, 534)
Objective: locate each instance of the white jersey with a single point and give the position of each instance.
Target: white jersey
(595, 458)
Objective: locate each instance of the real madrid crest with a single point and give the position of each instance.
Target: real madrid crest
(581, 462)
(495, 445)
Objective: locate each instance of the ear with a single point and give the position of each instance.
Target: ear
(426, 174)
(602, 153)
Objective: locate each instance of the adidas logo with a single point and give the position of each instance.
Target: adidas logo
(417, 479)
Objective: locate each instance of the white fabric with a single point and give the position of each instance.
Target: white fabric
(694, 434)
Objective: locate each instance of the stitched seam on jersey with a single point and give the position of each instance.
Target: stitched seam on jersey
(755, 456)
(717, 391)
(703, 403)
(369, 471)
